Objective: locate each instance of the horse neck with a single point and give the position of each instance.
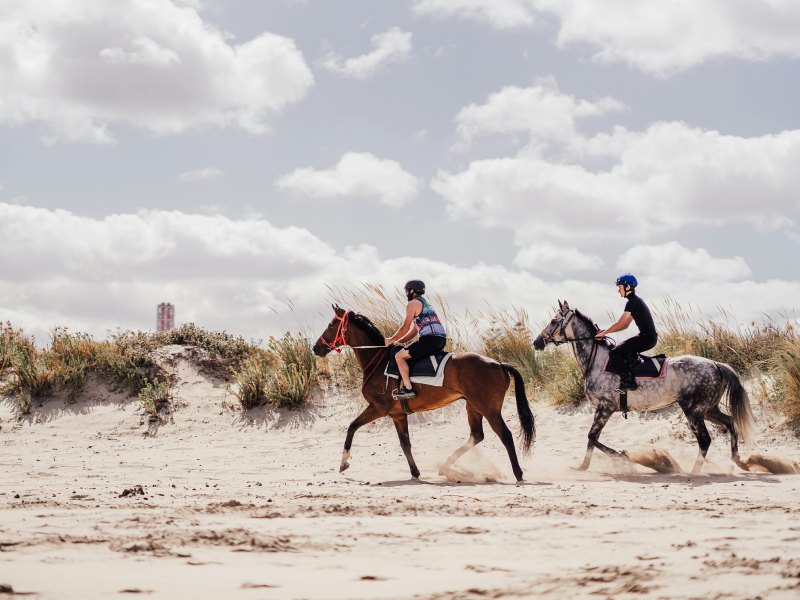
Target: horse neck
(365, 356)
(587, 351)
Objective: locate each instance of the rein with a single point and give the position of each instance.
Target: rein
(339, 341)
(566, 340)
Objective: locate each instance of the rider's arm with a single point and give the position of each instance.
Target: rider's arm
(623, 323)
(406, 331)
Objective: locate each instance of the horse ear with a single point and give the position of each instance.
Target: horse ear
(560, 306)
(566, 305)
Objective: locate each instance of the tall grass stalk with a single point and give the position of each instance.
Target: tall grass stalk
(785, 369)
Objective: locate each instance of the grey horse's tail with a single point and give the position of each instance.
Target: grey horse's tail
(523, 409)
(738, 400)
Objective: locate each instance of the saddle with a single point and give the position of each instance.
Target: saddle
(648, 367)
(428, 370)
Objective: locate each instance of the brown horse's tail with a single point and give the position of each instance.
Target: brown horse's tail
(523, 409)
(738, 401)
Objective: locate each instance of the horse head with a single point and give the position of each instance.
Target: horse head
(333, 336)
(555, 332)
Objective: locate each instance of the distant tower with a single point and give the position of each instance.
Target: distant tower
(165, 317)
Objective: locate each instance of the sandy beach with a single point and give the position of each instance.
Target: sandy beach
(210, 502)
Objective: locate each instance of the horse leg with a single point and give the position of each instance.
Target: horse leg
(367, 416)
(401, 424)
(716, 415)
(504, 433)
(475, 437)
(698, 427)
(601, 416)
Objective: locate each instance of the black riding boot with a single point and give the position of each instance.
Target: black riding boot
(627, 382)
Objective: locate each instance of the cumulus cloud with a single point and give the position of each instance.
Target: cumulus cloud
(675, 262)
(541, 111)
(550, 258)
(98, 274)
(661, 37)
(79, 68)
(391, 46)
(660, 179)
(665, 37)
(356, 175)
(206, 174)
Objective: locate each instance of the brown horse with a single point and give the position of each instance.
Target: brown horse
(481, 381)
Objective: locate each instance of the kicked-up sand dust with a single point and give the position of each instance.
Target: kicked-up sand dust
(226, 504)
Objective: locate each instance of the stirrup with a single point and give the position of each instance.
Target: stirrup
(403, 393)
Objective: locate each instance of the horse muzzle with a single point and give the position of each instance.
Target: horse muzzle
(321, 349)
(539, 343)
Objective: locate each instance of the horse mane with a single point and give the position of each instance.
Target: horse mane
(592, 327)
(374, 334)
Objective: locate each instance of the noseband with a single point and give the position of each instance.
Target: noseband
(338, 339)
(562, 332)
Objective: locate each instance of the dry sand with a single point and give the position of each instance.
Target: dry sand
(225, 504)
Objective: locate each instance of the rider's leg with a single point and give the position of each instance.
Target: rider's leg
(402, 365)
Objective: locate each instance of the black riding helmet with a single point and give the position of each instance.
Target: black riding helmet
(415, 285)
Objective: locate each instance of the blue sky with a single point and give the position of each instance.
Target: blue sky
(238, 157)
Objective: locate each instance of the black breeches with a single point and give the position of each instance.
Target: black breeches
(623, 353)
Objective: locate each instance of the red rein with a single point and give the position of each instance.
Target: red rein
(338, 339)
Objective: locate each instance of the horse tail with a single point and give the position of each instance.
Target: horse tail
(738, 400)
(523, 408)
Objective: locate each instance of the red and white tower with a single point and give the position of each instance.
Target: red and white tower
(165, 317)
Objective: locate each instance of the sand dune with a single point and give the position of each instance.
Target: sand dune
(97, 501)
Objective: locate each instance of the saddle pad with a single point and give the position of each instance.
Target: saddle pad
(428, 370)
(651, 367)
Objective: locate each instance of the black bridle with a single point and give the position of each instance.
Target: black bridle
(562, 332)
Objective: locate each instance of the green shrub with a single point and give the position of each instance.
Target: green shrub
(250, 380)
(153, 395)
(290, 382)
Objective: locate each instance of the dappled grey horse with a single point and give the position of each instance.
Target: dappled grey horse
(697, 384)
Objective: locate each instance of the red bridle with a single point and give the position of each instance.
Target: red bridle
(338, 339)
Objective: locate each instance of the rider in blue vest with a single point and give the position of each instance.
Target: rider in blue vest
(626, 356)
(422, 319)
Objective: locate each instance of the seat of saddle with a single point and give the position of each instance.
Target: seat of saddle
(649, 367)
(428, 370)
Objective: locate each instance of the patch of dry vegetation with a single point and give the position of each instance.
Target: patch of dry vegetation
(286, 371)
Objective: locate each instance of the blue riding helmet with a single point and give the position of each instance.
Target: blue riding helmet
(627, 279)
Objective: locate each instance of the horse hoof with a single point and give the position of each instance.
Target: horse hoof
(415, 478)
(343, 467)
(520, 482)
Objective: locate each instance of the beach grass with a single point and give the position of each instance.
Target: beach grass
(284, 371)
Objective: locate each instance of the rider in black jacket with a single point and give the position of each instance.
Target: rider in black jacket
(625, 356)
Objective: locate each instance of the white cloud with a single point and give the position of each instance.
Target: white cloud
(541, 111)
(660, 37)
(661, 179)
(391, 46)
(500, 14)
(550, 258)
(358, 175)
(78, 68)
(97, 274)
(668, 36)
(206, 174)
(675, 262)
